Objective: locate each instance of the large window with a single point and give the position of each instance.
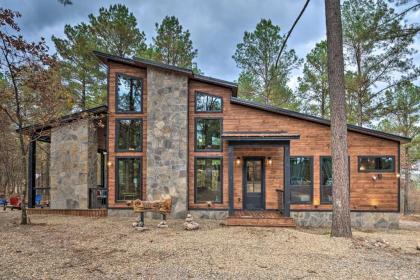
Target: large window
(208, 134)
(129, 94)
(208, 180)
(128, 172)
(129, 134)
(207, 103)
(326, 179)
(301, 180)
(376, 163)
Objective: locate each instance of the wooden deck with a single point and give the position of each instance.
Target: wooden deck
(268, 218)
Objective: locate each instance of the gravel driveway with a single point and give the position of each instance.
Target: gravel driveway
(56, 247)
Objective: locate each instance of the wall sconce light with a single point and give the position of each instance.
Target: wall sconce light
(374, 203)
(316, 203)
(374, 178)
(109, 163)
(269, 161)
(238, 161)
(209, 203)
(398, 175)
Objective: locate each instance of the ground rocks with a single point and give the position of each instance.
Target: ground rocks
(190, 224)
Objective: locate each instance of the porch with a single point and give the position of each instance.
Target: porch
(259, 178)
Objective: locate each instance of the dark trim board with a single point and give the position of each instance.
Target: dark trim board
(325, 210)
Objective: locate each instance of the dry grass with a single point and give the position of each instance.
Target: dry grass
(56, 247)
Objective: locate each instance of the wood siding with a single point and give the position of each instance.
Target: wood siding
(114, 69)
(365, 193)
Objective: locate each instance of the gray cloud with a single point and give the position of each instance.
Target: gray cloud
(216, 26)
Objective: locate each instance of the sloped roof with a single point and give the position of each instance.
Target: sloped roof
(144, 63)
(306, 117)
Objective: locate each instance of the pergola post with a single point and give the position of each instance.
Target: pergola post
(31, 174)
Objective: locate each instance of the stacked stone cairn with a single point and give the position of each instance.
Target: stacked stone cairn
(190, 224)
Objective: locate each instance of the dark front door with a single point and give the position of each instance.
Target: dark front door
(254, 184)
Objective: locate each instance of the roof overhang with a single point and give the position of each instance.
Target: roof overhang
(144, 63)
(258, 137)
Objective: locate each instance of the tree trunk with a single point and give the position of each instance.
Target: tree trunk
(341, 223)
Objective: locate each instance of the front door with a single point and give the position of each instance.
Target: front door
(254, 184)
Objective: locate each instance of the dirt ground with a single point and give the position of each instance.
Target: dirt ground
(58, 247)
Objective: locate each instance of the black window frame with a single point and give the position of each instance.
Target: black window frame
(195, 178)
(211, 95)
(117, 111)
(301, 187)
(359, 158)
(140, 158)
(195, 134)
(117, 135)
(320, 179)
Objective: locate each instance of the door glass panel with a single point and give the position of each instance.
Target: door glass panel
(253, 175)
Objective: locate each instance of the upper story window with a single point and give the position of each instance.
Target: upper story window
(129, 135)
(301, 180)
(208, 134)
(376, 163)
(129, 93)
(207, 103)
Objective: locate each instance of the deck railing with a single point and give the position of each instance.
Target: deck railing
(280, 199)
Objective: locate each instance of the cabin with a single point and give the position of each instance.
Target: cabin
(168, 131)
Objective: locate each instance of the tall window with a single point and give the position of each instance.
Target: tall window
(207, 103)
(128, 178)
(326, 179)
(129, 134)
(208, 134)
(129, 94)
(208, 180)
(301, 180)
(100, 168)
(376, 164)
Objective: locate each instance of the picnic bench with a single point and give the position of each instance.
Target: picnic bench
(162, 206)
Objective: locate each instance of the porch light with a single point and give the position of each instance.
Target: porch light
(109, 163)
(238, 161)
(374, 203)
(398, 175)
(269, 161)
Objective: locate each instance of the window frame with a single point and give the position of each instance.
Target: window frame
(117, 179)
(117, 135)
(320, 179)
(102, 156)
(310, 202)
(375, 170)
(195, 134)
(195, 178)
(119, 74)
(208, 94)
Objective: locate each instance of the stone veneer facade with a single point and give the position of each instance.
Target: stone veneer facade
(167, 138)
(72, 164)
(364, 220)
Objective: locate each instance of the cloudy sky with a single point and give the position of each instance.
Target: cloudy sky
(216, 26)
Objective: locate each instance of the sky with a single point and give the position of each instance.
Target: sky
(216, 26)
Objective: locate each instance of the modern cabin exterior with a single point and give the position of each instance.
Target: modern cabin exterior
(166, 130)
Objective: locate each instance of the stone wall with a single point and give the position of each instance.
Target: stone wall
(72, 164)
(167, 132)
(364, 220)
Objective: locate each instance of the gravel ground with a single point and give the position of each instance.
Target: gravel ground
(56, 247)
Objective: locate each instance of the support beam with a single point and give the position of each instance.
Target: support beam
(287, 180)
(230, 172)
(31, 174)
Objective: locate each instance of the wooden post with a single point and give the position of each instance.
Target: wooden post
(287, 180)
(230, 156)
(31, 174)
